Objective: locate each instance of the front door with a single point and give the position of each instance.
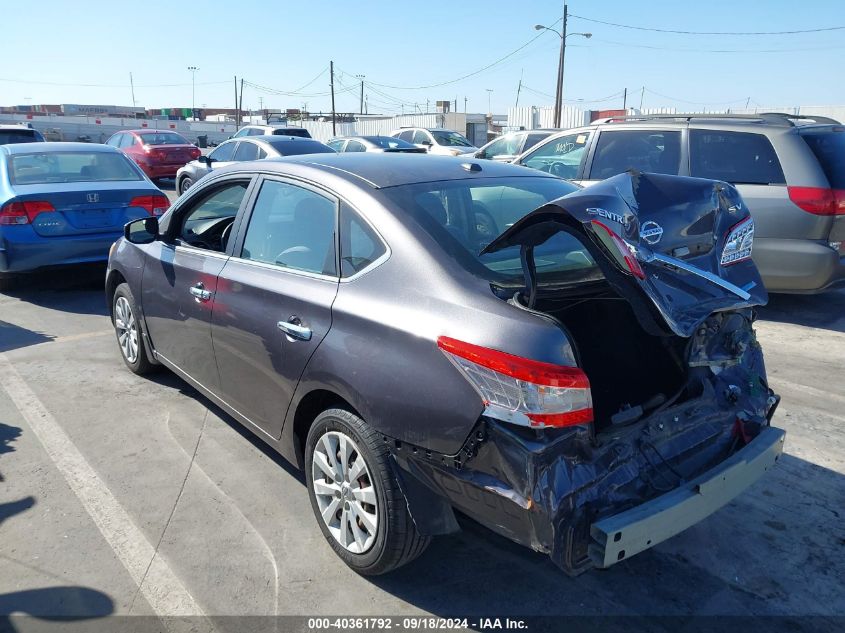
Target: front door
(274, 297)
(180, 282)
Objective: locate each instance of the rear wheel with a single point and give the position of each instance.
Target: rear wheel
(355, 497)
(185, 184)
(127, 328)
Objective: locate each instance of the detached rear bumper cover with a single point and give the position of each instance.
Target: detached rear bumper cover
(620, 536)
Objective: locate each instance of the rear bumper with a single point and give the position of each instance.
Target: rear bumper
(622, 535)
(161, 171)
(22, 250)
(798, 266)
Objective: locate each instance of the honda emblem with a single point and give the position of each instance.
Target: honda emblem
(93, 197)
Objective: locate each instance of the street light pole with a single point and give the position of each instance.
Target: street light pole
(489, 94)
(193, 70)
(559, 86)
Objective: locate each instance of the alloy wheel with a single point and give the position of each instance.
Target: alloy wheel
(127, 329)
(344, 491)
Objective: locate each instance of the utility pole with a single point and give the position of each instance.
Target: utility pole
(625, 100)
(747, 101)
(331, 72)
(465, 105)
(193, 70)
(642, 94)
(426, 106)
(132, 85)
(237, 120)
(361, 77)
(518, 89)
(489, 107)
(559, 93)
(241, 100)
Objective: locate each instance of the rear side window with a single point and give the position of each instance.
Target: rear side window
(407, 135)
(359, 244)
(292, 227)
(246, 151)
(735, 157)
(653, 151)
(532, 139)
(224, 152)
(355, 146)
(829, 148)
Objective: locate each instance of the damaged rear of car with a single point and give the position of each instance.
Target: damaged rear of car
(658, 411)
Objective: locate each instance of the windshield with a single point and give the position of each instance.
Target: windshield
(32, 169)
(163, 138)
(389, 142)
(450, 138)
(463, 216)
(829, 148)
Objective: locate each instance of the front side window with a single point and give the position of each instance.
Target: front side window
(654, 151)
(496, 148)
(336, 145)
(207, 222)
(242, 132)
(421, 137)
(293, 227)
(359, 244)
(31, 169)
(246, 151)
(735, 157)
(223, 152)
(450, 139)
(561, 156)
(532, 139)
(114, 141)
(407, 135)
(127, 140)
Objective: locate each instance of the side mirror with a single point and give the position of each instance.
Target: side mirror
(427, 143)
(205, 159)
(141, 231)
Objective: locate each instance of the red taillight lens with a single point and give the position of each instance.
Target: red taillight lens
(523, 391)
(17, 212)
(154, 205)
(818, 200)
(617, 246)
(195, 153)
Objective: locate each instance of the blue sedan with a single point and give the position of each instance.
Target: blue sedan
(66, 203)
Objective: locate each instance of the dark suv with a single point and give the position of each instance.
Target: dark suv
(19, 134)
(789, 170)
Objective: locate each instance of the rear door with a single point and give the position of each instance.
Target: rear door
(179, 285)
(274, 297)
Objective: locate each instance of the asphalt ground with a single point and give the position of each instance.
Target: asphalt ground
(123, 495)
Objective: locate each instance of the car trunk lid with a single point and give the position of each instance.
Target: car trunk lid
(171, 154)
(85, 207)
(676, 248)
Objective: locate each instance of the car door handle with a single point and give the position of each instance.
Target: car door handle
(293, 328)
(199, 292)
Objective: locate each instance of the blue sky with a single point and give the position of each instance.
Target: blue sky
(284, 46)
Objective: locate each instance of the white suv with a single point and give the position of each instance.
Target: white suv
(264, 130)
(436, 140)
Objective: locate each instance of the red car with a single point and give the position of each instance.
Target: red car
(158, 153)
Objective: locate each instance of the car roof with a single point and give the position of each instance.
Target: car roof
(388, 170)
(29, 148)
(15, 126)
(146, 130)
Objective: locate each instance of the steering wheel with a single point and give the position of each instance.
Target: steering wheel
(289, 251)
(559, 169)
(485, 225)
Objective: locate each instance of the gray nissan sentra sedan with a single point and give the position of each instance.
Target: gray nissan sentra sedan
(575, 369)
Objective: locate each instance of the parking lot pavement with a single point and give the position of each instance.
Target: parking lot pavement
(120, 492)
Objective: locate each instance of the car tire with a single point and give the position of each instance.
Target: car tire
(383, 537)
(185, 184)
(127, 328)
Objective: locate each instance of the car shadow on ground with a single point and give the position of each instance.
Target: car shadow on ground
(9, 434)
(13, 337)
(825, 310)
(69, 289)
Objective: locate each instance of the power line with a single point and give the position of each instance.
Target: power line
(679, 32)
(473, 73)
(695, 102)
(724, 50)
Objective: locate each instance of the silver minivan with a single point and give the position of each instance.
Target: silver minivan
(789, 170)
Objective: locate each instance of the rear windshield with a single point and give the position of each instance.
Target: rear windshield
(829, 148)
(33, 169)
(463, 216)
(292, 131)
(389, 142)
(18, 136)
(163, 138)
(294, 148)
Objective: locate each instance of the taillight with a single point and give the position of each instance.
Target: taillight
(155, 205)
(818, 200)
(523, 391)
(23, 212)
(738, 243)
(195, 153)
(619, 249)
